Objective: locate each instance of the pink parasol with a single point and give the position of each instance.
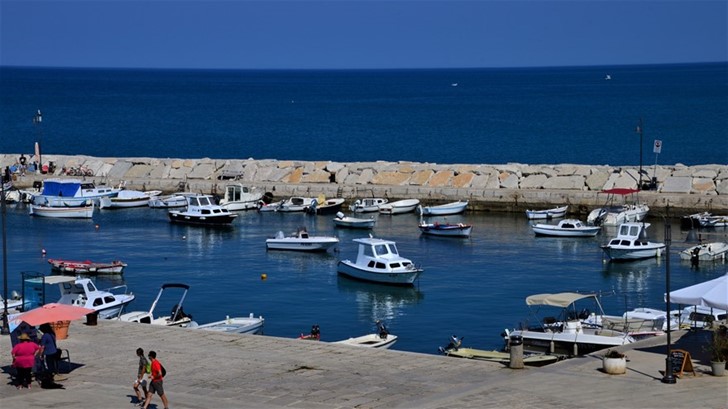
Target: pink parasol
(53, 312)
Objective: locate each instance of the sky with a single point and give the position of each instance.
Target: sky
(367, 34)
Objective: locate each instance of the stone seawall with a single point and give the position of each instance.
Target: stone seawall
(507, 187)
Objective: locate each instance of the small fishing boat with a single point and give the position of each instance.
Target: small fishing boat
(234, 325)
(444, 209)
(566, 228)
(176, 318)
(352, 222)
(367, 205)
(128, 198)
(706, 252)
(446, 229)
(323, 206)
(631, 243)
(202, 210)
(399, 207)
(290, 205)
(170, 201)
(553, 213)
(240, 197)
(301, 241)
(379, 261)
(86, 211)
(455, 350)
(382, 339)
(86, 267)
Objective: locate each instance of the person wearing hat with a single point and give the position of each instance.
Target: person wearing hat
(24, 354)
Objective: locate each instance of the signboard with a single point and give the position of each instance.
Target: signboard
(681, 362)
(657, 148)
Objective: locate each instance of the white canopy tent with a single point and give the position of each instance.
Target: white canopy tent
(713, 293)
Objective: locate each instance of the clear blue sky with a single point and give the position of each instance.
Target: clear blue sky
(360, 33)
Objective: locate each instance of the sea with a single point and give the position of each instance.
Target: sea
(473, 288)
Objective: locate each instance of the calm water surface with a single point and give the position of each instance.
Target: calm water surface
(471, 287)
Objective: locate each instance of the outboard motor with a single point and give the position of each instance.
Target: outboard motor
(382, 329)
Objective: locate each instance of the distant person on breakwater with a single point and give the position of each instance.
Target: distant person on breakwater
(157, 375)
(22, 160)
(144, 368)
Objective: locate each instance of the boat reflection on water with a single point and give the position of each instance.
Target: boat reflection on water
(378, 301)
(304, 262)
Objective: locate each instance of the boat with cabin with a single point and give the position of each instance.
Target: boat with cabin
(202, 210)
(379, 261)
(631, 243)
(240, 197)
(82, 292)
(71, 192)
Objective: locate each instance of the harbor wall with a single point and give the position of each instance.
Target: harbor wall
(488, 187)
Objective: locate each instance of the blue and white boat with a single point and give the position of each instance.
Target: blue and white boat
(71, 192)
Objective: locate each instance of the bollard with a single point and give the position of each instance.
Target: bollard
(516, 343)
(92, 318)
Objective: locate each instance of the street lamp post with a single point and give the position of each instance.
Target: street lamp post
(639, 131)
(5, 330)
(669, 377)
(37, 119)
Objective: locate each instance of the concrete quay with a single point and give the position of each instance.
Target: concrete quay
(510, 187)
(211, 370)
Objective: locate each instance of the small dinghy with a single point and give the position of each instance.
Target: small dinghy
(706, 252)
(566, 228)
(382, 339)
(353, 222)
(547, 214)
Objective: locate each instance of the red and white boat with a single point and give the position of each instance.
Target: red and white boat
(86, 267)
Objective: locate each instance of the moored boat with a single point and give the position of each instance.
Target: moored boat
(566, 228)
(353, 222)
(233, 325)
(399, 207)
(240, 197)
(631, 243)
(379, 261)
(443, 209)
(82, 292)
(323, 206)
(382, 339)
(86, 267)
(170, 201)
(367, 204)
(614, 215)
(176, 318)
(300, 241)
(202, 210)
(552, 213)
(129, 198)
(445, 229)
(706, 252)
(86, 211)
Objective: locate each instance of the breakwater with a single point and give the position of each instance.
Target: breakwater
(506, 187)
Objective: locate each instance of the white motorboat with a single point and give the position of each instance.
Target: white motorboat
(292, 204)
(553, 213)
(631, 243)
(379, 261)
(170, 201)
(353, 222)
(81, 292)
(443, 209)
(301, 241)
(240, 197)
(71, 192)
(710, 220)
(698, 316)
(614, 215)
(706, 252)
(446, 229)
(639, 323)
(367, 205)
(399, 207)
(68, 212)
(382, 339)
(455, 349)
(15, 303)
(176, 318)
(566, 334)
(128, 198)
(202, 210)
(566, 228)
(234, 325)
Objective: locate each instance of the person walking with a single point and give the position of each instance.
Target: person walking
(50, 351)
(157, 375)
(24, 354)
(144, 368)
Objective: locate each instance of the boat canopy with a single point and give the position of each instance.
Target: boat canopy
(61, 188)
(557, 300)
(620, 191)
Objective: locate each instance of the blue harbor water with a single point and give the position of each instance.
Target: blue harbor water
(471, 287)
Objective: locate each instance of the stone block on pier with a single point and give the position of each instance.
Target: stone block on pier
(677, 184)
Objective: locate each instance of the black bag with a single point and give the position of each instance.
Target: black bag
(164, 371)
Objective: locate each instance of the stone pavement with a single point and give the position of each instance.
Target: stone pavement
(211, 370)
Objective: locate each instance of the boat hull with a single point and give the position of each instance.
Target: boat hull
(209, 220)
(399, 207)
(446, 230)
(370, 341)
(547, 214)
(85, 212)
(354, 223)
(706, 252)
(444, 210)
(404, 277)
(617, 253)
(499, 356)
(555, 231)
(570, 344)
(293, 244)
(235, 325)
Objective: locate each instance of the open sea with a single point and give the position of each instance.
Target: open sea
(472, 287)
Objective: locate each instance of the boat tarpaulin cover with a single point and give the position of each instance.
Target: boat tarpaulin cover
(557, 300)
(61, 188)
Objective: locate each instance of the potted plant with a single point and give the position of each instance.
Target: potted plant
(718, 349)
(614, 363)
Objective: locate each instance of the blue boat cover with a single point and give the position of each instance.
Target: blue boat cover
(57, 188)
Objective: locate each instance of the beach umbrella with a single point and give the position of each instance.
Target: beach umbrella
(713, 293)
(52, 312)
